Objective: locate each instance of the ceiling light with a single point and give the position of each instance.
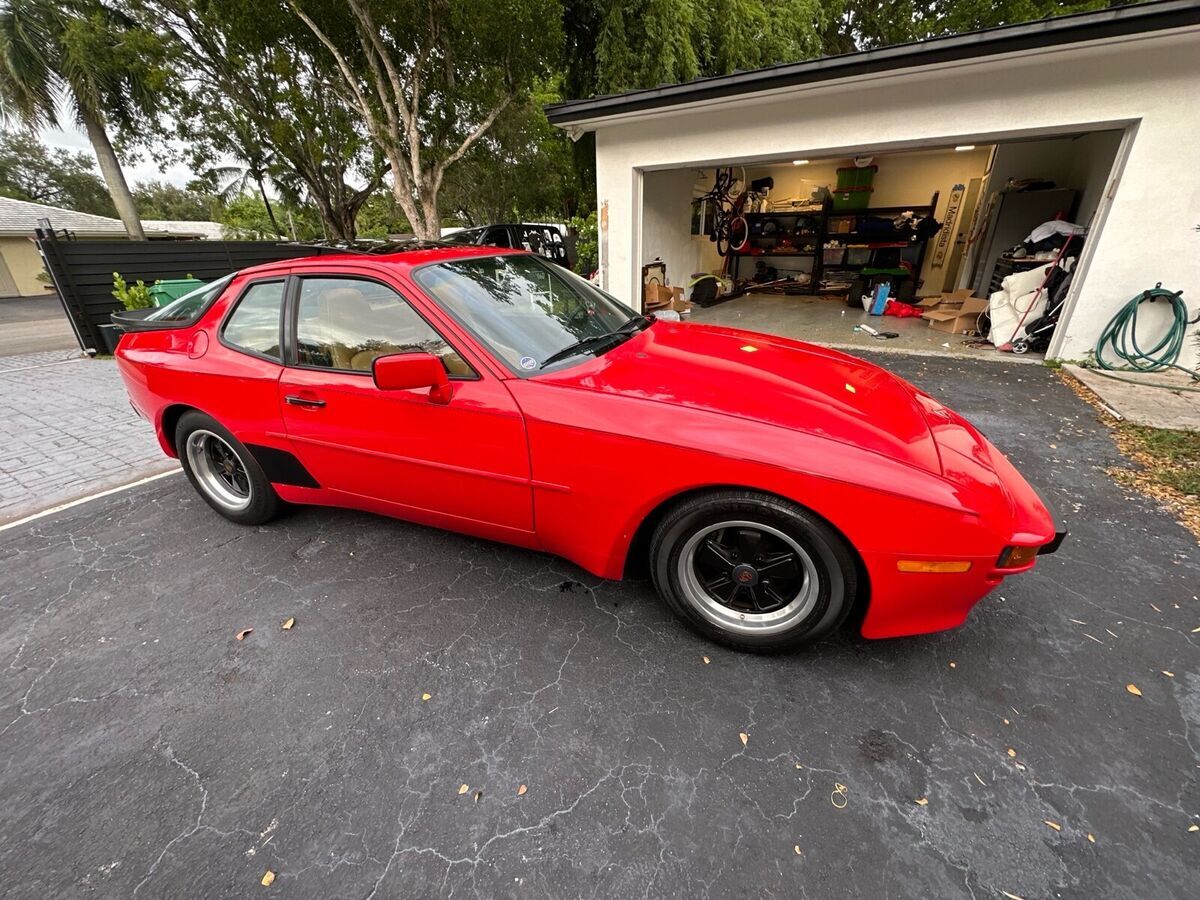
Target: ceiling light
(962, 148)
(799, 162)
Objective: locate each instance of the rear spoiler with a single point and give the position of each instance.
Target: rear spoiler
(135, 320)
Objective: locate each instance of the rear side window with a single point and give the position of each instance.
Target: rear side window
(188, 308)
(254, 324)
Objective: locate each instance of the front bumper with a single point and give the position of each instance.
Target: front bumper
(1005, 512)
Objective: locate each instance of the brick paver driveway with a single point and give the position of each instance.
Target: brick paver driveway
(66, 430)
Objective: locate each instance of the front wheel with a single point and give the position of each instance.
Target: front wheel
(752, 571)
(223, 472)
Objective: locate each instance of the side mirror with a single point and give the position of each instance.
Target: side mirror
(405, 371)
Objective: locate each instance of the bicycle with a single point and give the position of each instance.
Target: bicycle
(730, 231)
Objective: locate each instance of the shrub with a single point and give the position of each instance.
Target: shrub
(135, 296)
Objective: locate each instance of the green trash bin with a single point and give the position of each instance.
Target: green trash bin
(163, 292)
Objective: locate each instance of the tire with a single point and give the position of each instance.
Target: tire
(727, 595)
(223, 471)
(721, 236)
(739, 234)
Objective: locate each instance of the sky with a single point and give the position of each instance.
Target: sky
(71, 137)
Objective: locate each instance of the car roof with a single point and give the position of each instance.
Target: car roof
(401, 259)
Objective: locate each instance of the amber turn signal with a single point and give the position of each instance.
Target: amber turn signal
(933, 565)
(1016, 557)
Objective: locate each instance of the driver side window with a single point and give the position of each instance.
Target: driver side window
(347, 323)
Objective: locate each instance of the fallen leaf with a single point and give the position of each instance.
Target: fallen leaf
(268, 878)
(1012, 752)
(1091, 838)
(463, 788)
(426, 696)
(924, 801)
(798, 766)
(1006, 722)
(980, 780)
(1011, 896)
(521, 790)
(478, 796)
(1021, 767)
(1113, 633)
(797, 849)
(1096, 639)
(1053, 825)
(706, 660)
(1168, 674)
(1133, 689)
(289, 623)
(1194, 828)
(743, 737)
(1077, 622)
(1194, 630)
(953, 665)
(1155, 608)
(241, 635)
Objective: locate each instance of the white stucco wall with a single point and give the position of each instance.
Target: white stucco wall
(1148, 86)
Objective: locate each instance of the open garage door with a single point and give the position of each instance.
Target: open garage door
(971, 249)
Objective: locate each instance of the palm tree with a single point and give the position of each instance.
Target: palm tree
(84, 55)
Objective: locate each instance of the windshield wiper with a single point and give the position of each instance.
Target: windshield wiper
(626, 330)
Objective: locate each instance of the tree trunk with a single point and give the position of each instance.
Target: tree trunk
(270, 210)
(110, 168)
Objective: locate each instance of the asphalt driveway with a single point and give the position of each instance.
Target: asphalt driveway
(145, 751)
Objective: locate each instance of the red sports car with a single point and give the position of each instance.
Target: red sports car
(772, 488)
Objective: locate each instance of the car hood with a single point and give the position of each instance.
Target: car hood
(768, 379)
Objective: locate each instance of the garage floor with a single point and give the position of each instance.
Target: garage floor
(825, 321)
(144, 751)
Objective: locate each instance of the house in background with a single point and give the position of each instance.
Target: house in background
(21, 267)
(992, 134)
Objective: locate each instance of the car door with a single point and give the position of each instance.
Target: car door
(464, 462)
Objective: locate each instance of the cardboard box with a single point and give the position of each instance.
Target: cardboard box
(657, 296)
(953, 312)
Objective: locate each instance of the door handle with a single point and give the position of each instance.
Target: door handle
(305, 402)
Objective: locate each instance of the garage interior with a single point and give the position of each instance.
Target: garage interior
(969, 249)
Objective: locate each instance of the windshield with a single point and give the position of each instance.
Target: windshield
(530, 313)
(191, 304)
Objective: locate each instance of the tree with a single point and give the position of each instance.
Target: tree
(245, 218)
(429, 78)
(263, 94)
(29, 170)
(521, 170)
(159, 200)
(93, 57)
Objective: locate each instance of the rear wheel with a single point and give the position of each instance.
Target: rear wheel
(753, 571)
(223, 472)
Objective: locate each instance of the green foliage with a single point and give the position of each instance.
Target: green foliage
(587, 244)
(1170, 457)
(246, 218)
(160, 200)
(522, 170)
(29, 170)
(132, 296)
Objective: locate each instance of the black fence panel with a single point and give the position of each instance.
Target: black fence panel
(82, 271)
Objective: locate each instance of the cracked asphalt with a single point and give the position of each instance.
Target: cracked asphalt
(144, 751)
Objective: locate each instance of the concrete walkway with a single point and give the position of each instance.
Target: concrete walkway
(1158, 399)
(66, 430)
(33, 325)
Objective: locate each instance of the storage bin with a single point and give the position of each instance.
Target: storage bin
(832, 257)
(856, 176)
(858, 256)
(851, 199)
(843, 225)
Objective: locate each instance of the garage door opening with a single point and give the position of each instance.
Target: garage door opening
(978, 244)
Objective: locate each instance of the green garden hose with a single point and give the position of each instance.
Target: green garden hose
(1121, 335)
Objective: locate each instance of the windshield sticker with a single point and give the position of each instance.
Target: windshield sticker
(528, 362)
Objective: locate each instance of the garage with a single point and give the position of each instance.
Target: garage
(1005, 192)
